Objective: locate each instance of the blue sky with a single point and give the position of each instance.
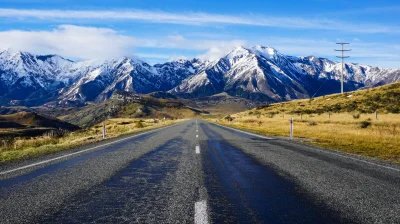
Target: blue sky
(159, 31)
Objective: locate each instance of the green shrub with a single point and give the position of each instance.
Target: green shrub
(250, 121)
(312, 123)
(124, 123)
(139, 124)
(356, 116)
(364, 124)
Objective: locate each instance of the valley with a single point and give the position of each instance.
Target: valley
(83, 94)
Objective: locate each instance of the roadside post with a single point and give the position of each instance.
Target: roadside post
(291, 128)
(104, 129)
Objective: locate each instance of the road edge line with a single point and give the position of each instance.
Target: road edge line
(336, 153)
(79, 152)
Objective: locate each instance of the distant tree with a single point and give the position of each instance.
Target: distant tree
(229, 118)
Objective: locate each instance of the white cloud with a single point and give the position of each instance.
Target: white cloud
(78, 42)
(195, 18)
(177, 57)
(69, 41)
(217, 52)
(214, 48)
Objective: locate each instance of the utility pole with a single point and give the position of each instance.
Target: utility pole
(342, 57)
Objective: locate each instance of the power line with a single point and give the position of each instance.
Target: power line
(342, 57)
(319, 88)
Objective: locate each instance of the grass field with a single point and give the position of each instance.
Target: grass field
(381, 139)
(19, 148)
(345, 122)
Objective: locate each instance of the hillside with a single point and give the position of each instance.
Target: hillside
(127, 105)
(30, 124)
(384, 99)
(341, 122)
(221, 104)
(30, 119)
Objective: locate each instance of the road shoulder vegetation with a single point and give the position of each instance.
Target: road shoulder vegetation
(22, 148)
(363, 122)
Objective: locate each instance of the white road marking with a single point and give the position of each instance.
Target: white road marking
(197, 149)
(324, 151)
(197, 130)
(360, 160)
(79, 152)
(200, 216)
(197, 136)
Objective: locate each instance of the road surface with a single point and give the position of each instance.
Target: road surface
(198, 172)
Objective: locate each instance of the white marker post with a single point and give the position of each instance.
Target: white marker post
(291, 128)
(104, 129)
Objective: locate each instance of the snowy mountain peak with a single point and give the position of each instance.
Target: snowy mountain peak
(241, 52)
(237, 54)
(10, 52)
(238, 51)
(267, 52)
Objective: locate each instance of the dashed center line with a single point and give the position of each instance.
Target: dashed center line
(197, 136)
(200, 216)
(197, 149)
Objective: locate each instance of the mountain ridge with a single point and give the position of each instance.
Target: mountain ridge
(262, 73)
(258, 73)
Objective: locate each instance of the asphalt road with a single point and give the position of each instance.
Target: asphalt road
(199, 173)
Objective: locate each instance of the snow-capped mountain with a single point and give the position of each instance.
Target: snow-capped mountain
(128, 74)
(27, 79)
(258, 73)
(262, 73)
(24, 76)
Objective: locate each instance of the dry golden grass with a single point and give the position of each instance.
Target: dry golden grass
(342, 131)
(22, 148)
(384, 99)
